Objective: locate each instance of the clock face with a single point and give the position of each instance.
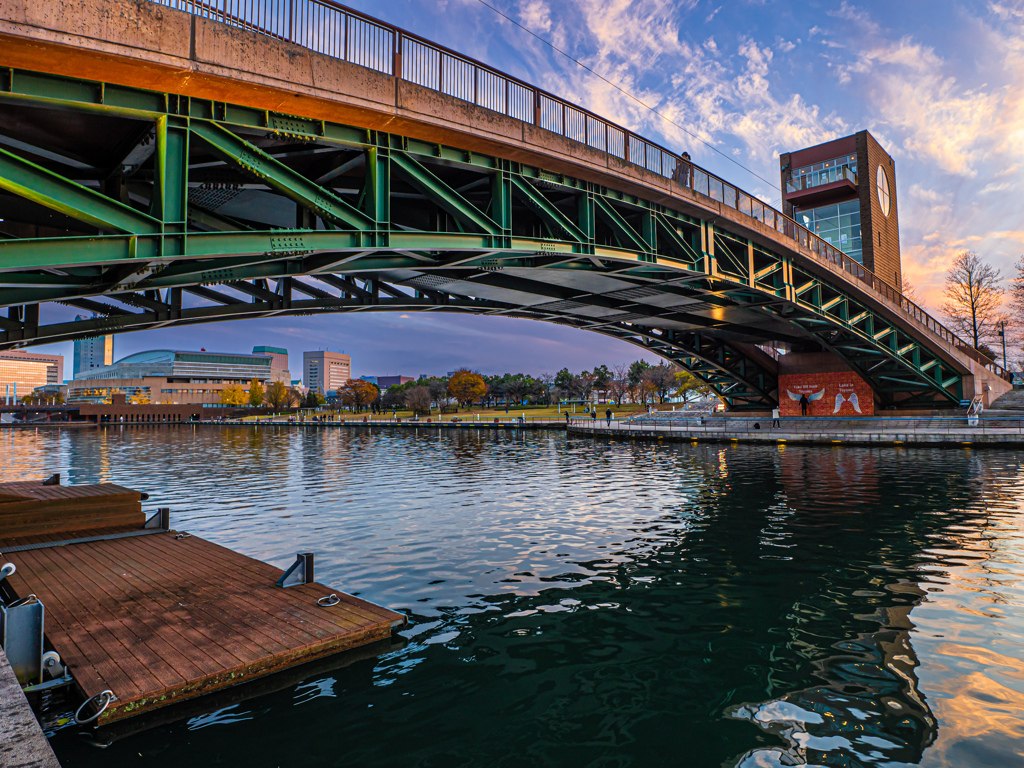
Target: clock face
(882, 183)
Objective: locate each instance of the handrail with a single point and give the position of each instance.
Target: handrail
(335, 30)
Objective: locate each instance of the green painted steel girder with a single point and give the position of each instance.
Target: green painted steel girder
(629, 236)
(443, 195)
(28, 180)
(554, 218)
(279, 176)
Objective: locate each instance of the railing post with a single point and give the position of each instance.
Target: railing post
(396, 61)
(536, 107)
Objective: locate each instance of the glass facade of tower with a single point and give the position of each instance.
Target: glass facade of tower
(838, 224)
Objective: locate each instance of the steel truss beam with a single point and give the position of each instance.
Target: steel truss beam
(331, 217)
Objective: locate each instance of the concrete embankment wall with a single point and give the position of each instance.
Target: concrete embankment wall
(22, 743)
(976, 437)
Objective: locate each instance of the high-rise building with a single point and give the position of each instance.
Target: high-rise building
(25, 371)
(845, 192)
(279, 363)
(92, 353)
(325, 372)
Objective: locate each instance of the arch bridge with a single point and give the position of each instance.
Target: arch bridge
(177, 162)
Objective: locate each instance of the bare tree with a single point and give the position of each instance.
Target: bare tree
(972, 298)
(662, 379)
(618, 387)
(418, 399)
(909, 291)
(1015, 321)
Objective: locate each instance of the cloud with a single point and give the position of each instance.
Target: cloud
(851, 13)
(535, 15)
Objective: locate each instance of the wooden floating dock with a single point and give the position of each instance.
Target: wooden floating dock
(159, 617)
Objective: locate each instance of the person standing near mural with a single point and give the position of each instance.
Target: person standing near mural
(776, 412)
(804, 402)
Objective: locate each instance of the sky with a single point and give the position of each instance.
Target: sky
(940, 84)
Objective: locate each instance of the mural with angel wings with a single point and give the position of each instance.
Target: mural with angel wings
(832, 393)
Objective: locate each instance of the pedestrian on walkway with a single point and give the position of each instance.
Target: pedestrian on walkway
(567, 418)
(775, 418)
(608, 416)
(804, 402)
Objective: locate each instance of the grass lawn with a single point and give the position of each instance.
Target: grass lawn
(470, 414)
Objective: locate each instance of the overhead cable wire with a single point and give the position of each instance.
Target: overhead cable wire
(625, 93)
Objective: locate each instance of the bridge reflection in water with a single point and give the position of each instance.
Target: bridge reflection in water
(592, 603)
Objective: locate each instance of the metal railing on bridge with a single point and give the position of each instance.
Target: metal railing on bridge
(335, 30)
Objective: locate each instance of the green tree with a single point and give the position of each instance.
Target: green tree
(636, 372)
(602, 379)
(256, 393)
(563, 380)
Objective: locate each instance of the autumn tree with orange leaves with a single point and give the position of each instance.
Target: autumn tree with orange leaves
(466, 387)
(358, 394)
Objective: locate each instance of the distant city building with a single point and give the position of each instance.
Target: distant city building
(371, 379)
(21, 372)
(325, 372)
(92, 353)
(845, 192)
(169, 376)
(383, 382)
(279, 365)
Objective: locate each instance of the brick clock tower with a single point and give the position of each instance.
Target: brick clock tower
(845, 192)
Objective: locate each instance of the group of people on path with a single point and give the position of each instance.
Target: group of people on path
(593, 417)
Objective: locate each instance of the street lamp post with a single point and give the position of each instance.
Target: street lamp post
(1002, 336)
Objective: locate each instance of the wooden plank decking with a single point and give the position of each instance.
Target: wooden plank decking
(158, 619)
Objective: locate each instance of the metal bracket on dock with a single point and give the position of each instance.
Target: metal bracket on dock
(161, 519)
(21, 636)
(300, 572)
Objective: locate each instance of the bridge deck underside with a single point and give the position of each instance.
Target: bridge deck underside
(147, 210)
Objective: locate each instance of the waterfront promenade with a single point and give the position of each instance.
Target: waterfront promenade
(994, 431)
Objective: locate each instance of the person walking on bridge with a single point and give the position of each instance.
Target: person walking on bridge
(775, 417)
(608, 416)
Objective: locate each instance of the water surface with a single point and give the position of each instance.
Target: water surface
(582, 603)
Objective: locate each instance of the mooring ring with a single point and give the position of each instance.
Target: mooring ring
(328, 601)
(110, 698)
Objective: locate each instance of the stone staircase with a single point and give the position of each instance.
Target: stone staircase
(1010, 401)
